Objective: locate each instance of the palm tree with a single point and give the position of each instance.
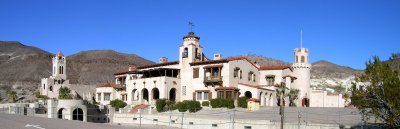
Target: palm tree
(12, 96)
(293, 95)
(281, 88)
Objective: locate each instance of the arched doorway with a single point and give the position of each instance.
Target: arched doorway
(77, 114)
(145, 94)
(155, 93)
(60, 113)
(172, 94)
(305, 102)
(248, 94)
(134, 95)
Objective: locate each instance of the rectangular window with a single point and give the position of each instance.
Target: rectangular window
(202, 95)
(98, 96)
(183, 90)
(195, 72)
(205, 95)
(199, 96)
(270, 80)
(107, 96)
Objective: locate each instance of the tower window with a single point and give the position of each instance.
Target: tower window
(44, 86)
(302, 59)
(185, 53)
(297, 59)
(51, 88)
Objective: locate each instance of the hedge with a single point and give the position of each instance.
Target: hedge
(242, 102)
(163, 105)
(220, 103)
(192, 106)
(205, 103)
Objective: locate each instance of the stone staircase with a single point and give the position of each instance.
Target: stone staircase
(136, 108)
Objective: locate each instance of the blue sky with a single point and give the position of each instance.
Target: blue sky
(345, 32)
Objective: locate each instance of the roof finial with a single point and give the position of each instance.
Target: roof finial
(191, 25)
(301, 38)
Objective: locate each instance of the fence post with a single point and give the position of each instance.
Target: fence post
(140, 118)
(182, 120)
(170, 117)
(299, 118)
(233, 119)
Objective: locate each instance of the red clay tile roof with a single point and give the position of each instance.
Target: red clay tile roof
(227, 88)
(220, 61)
(106, 85)
(289, 76)
(274, 67)
(159, 64)
(148, 66)
(253, 86)
(253, 99)
(213, 66)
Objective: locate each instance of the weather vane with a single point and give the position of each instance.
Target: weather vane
(191, 25)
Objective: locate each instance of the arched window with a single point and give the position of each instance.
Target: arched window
(297, 59)
(44, 86)
(51, 88)
(185, 52)
(302, 59)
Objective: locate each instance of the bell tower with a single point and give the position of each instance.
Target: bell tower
(190, 51)
(59, 66)
(301, 69)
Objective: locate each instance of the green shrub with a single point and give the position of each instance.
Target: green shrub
(192, 106)
(160, 104)
(117, 104)
(205, 103)
(242, 102)
(171, 105)
(181, 106)
(220, 103)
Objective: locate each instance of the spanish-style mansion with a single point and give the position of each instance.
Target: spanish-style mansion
(196, 77)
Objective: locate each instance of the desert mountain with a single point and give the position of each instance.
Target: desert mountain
(22, 67)
(99, 66)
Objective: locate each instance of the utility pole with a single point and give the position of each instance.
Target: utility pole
(182, 120)
(282, 110)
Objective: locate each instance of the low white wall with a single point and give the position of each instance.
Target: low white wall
(207, 123)
(322, 99)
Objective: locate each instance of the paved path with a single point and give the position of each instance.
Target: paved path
(12, 121)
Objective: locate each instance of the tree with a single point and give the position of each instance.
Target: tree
(12, 96)
(379, 95)
(64, 93)
(395, 56)
(117, 103)
(281, 89)
(293, 95)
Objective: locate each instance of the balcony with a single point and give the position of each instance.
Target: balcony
(213, 80)
(120, 87)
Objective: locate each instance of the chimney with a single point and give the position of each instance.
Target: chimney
(217, 56)
(163, 60)
(132, 67)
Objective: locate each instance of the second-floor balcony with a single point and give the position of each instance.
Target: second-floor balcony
(213, 80)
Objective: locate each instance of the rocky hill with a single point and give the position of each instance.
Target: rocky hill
(262, 60)
(327, 74)
(22, 67)
(99, 66)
